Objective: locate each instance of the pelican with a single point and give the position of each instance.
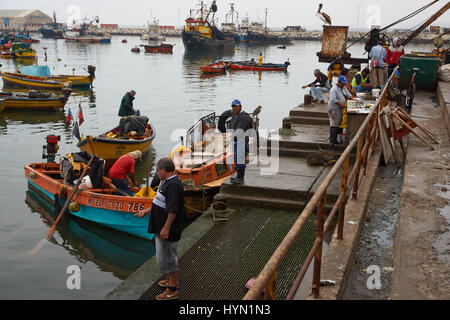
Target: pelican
(323, 16)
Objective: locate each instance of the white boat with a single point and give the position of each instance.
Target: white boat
(153, 33)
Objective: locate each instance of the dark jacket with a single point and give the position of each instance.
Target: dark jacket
(126, 106)
(323, 81)
(241, 121)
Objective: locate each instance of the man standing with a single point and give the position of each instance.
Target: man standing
(260, 60)
(377, 57)
(318, 86)
(126, 105)
(123, 166)
(167, 220)
(336, 105)
(240, 122)
(393, 55)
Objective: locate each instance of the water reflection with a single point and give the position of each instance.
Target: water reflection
(112, 251)
(27, 117)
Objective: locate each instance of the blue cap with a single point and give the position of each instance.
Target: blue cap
(342, 79)
(236, 102)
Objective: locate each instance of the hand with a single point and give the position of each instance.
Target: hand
(164, 234)
(304, 87)
(142, 213)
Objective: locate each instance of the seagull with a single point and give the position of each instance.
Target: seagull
(323, 16)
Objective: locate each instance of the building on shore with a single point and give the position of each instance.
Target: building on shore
(29, 19)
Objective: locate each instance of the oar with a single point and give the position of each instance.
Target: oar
(50, 232)
(148, 182)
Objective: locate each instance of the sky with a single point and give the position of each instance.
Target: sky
(280, 12)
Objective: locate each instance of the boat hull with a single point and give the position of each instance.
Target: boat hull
(106, 209)
(22, 81)
(34, 104)
(87, 39)
(195, 43)
(113, 149)
(214, 68)
(255, 67)
(76, 81)
(51, 34)
(163, 48)
(258, 37)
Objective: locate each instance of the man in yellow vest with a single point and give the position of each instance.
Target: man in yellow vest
(361, 81)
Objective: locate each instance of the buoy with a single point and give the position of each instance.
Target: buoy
(74, 206)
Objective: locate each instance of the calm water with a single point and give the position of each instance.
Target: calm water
(171, 92)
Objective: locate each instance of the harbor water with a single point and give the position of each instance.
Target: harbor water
(171, 91)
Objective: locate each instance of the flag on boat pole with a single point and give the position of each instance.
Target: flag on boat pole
(69, 118)
(76, 131)
(80, 115)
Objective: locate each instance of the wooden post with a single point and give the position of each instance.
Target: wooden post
(344, 186)
(358, 166)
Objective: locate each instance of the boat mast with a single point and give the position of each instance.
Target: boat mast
(265, 22)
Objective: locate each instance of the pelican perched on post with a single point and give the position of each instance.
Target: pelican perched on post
(323, 16)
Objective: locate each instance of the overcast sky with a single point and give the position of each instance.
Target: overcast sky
(280, 12)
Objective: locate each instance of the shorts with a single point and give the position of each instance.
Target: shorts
(166, 255)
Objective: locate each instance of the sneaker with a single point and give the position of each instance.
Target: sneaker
(165, 283)
(168, 295)
(237, 180)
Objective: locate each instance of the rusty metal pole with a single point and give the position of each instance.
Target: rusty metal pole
(344, 186)
(319, 235)
(358, 166)
(270, 292)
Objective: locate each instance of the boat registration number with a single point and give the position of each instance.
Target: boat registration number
(115, 205)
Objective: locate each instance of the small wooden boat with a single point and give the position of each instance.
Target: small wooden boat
(23, 51)
(24, 81)
(102, 206)
(264, 67)
(205, 162)
(110, 146)
(162, 48)
(217, 67)
(35, 100)
(136, 49)
(77, 81)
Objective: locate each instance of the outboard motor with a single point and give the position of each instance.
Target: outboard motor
(49, 151)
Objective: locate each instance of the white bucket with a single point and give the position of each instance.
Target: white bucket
(376, 92)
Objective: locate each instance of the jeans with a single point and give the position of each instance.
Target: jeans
(391, 69)
(241, 150)
(316, 92)
(122, 185)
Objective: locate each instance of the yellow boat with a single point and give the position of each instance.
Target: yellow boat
(43, 73)
(24, 81)
(35, 100)
(31, 54)
(110, 146)
(76, 81)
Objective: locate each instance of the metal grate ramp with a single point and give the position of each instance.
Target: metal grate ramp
(219, 265)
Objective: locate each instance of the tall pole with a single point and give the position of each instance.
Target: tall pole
(357, 19)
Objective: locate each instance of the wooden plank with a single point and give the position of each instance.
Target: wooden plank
(387, 149)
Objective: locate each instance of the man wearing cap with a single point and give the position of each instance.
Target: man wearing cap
(318, 86)
(336, 105)
(240, 122)
(126, 105)
(119, 170)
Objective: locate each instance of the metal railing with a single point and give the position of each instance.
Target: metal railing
(364, 140)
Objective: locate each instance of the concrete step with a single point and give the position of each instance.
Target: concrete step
(304, 113)
(309, 120)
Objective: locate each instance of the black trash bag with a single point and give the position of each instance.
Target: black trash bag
(133, 123)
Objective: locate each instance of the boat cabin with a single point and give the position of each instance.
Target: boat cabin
(198, 25)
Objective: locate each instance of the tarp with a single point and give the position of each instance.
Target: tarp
(37, 71)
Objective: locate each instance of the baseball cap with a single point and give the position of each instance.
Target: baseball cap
(342, 79)
(236, 102)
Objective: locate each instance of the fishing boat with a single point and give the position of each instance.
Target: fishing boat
(35, 100)
(23, 81)
(162, 48)
(253, 66)
(53, 30)
(77, 81)
(85, 35)
(206, 158)
(23, 50)
(113, 144)
(217, 67)
(200, 35)
(101, 205)
(260, 34)
(229, 28)
(244, 26)
(153, 33)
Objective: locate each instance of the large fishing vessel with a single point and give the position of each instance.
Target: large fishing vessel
(229, 28)
(53, 30)
(84, 34)
(259, 33)
(201, 35)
